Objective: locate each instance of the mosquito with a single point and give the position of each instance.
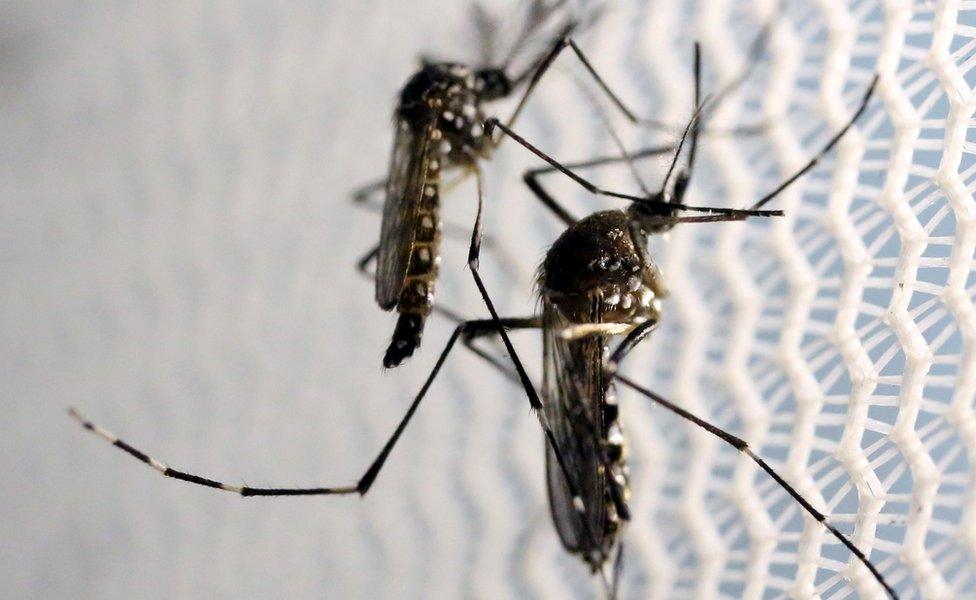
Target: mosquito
(438, 127)
(598, 283)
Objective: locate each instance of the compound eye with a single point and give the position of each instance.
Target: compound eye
(494, 83)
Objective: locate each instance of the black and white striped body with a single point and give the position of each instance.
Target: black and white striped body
(416, 298)
(439, 127)
(597, 283)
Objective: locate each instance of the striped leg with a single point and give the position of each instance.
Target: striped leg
(730, 214)
(196, 479)
(743, 447)
(466, 329)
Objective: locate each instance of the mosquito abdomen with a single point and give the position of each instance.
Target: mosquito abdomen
(417, 295)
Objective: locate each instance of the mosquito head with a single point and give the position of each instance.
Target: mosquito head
(493, 83)
(652, 216)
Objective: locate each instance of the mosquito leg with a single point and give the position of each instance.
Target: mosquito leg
(756, 49)
(197, 479)
(362, 265)
(743, 447)
(635, 337)
(365, 194)
(471, 337)
(544, 65)
(827, 148)
(618, 565)
(531, 177)
(534, 402)
(490, 124)
(473, 334)
(537, 74)
(474, 258)
(361, 487)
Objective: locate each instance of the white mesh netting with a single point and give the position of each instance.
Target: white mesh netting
(178, 251)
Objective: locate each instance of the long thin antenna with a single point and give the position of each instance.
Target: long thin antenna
(681, 143)
(625, 155)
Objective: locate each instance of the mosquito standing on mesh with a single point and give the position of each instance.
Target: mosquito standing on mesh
(597, 282)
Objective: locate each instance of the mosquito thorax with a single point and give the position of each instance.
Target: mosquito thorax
(599, 257)
(449, 96)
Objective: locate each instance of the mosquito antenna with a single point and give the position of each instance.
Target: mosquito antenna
(625, 155)
(681, 143)
(696, 128)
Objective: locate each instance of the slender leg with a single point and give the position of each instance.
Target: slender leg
(618, 565)
(474, 257)
(490, 124)
(365, 198)
(530, 391)
(827, 148)
(538, 14)
(636, 336)
(508, 323)
(626, 346)
(465, 329)
(537, 74)
(756, 49)
(743, 447)
(362, 265)
(531, 177)
(366, 193)
(546, 63)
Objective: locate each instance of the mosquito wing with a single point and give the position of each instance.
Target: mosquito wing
(408, 172)
(574, 390)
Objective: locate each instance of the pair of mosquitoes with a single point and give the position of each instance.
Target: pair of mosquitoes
(597, 285)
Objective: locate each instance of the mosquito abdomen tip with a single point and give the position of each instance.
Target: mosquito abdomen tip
(406, 339)
(395, 356)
